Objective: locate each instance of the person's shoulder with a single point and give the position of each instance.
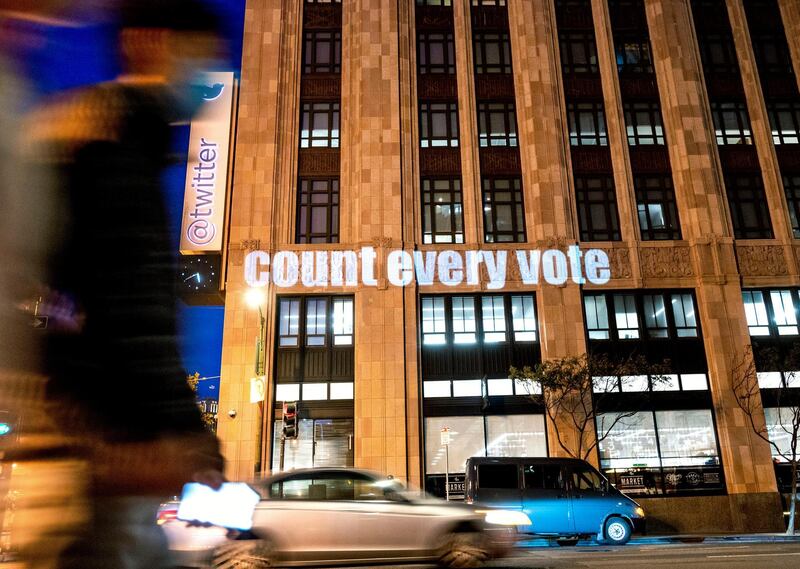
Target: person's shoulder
(70, 120)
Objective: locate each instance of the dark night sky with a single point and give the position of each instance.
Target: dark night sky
(70, 56)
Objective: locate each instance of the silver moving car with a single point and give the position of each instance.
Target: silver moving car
(333, 516)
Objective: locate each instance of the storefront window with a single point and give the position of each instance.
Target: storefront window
(661, 452)
(319, 443)
(515, 435)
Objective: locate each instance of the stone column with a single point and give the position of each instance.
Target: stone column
(372, 174)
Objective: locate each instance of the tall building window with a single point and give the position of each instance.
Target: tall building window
(772, 54)
(488, 2)
(748, 205)
(436, 53)
(438, 124)
(597, 208)
(503, 211)
(655, 202)
(643, 123)
(492, 52)
(442, 216)
(633, 54)
(319, 125)
(660, 315)
(322, 52)
(434, 2)
(497, 124)
(791, 185)
(718, 54)
(587, 124)
(318, 211)
(578, 52)
(731, 123)
(784, 119)
(772, 312)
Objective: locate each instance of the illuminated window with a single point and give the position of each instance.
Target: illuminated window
(319, 125)
(438, 125)
(655, 316)
(433, 321)
(625, 316)
(755, 310)
(596, 317)
(633, 54)
(316, 312)
(434, 3)
(497, 124)
(731, 123)
(523, 318)
(684, 315)
(342, 321)
(643, 124)
(494, 319)
(655, 202)
(587, 124)
(289, 323)
(464, 320)
(436, 53)
(783, 311)
(442, 212)
(492, 52)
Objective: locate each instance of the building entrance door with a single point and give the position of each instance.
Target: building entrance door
(319, 443)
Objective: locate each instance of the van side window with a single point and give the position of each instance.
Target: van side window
(585, 479)
(497, 476)
(542, 476)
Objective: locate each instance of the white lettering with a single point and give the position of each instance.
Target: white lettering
(598, 267)
(315, 268)
(400, 268)
(450, 268)
(426, 269)
(285, 269)
(368, 266)
(574, 255)
(254, 275)
(496, 270)
(344, 262)
(474, 259)
(529, 271)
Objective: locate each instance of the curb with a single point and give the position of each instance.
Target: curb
(673, 539)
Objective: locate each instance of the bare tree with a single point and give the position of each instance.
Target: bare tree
(782, 432)
(573, 389)
(209, 419)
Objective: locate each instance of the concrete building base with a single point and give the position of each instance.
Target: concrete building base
(735, 513)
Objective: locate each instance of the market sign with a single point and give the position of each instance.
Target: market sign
(207, 168)
(349, 268)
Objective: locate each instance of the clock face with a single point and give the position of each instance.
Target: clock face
(199, 274)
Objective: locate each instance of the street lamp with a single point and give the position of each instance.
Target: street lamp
(255, 298)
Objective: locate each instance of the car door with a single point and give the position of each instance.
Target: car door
(545, 499)
(590, 502)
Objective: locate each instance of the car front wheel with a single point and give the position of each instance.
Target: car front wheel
(243, 554)
(617, 531)
(463, 550)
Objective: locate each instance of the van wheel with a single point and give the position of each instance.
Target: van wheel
(463, 550)
(243, 554)
(617, 531)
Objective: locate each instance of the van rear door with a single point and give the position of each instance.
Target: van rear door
(545, 499)
(498, 485)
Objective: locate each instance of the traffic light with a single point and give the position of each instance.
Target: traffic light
(290, 419)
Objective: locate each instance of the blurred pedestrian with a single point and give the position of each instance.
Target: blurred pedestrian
(115, 379)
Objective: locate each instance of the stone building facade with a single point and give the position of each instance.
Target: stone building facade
(663, 132)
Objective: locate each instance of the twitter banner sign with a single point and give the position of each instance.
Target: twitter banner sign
(207, 167)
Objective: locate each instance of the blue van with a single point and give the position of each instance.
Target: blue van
(564, 497)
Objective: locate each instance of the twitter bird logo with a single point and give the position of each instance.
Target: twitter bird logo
(212, 92)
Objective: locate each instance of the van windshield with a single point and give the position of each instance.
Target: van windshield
(584, 478)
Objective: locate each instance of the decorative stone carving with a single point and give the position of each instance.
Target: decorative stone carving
(385, 242)
(662, 262)
(439, 161)
(251, 244)
(319, 162)
(322, 16)
(620, 260)
(761, 260)
(500, 161)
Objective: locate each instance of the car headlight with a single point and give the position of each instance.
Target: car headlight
(505, 517)
(639, 511)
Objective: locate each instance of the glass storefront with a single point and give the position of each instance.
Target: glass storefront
(319, 443)
(661, 452)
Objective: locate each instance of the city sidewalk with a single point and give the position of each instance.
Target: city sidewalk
(674, 539)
